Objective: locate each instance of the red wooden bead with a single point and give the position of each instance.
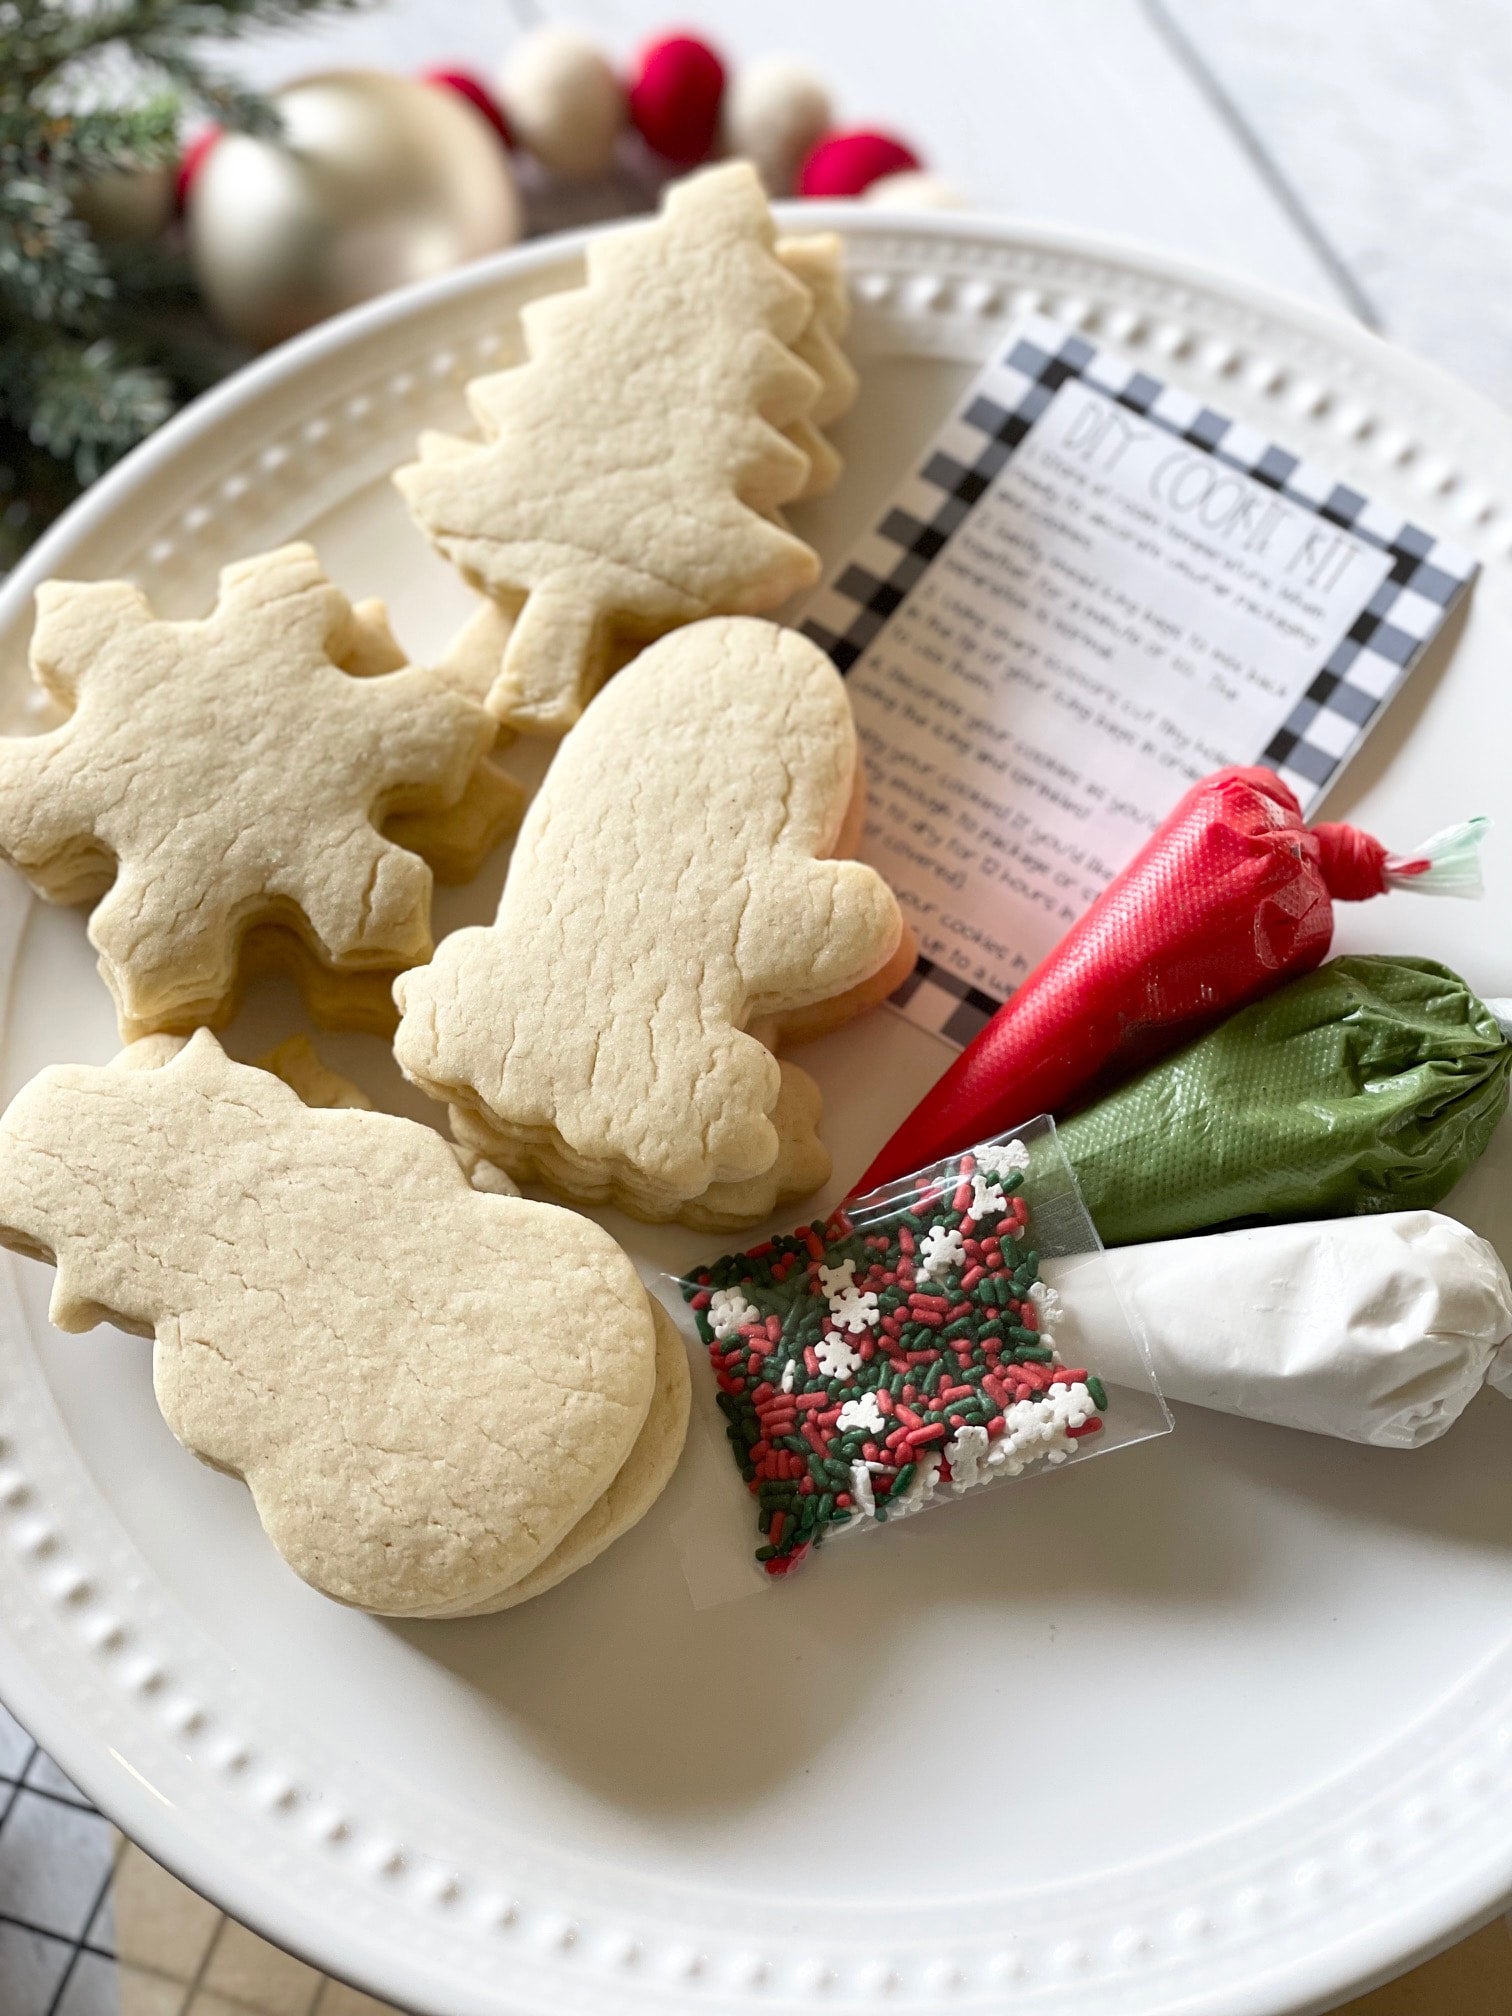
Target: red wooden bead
(477, 95)
(675, 96)
(190, 162)
(845, 164)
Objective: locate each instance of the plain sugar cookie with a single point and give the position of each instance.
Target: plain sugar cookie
(426, 1388)
(632, 470)
(219, 775)
(668, 888)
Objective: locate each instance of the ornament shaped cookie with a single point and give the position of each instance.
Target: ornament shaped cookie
(218, 776)
(633, 467)
(426, 1388)
(668, 892)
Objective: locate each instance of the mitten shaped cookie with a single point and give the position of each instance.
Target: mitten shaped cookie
(426, 1388)
(668, 890)
(633, 468)
(226, 774)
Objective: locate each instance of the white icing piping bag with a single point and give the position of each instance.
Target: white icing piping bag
(1375, 1329)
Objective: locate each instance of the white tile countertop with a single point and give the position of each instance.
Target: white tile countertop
(1359, 157)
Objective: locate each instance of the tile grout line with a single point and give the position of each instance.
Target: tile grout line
(59, 1938)
(79, 1805)
(193, 1987)
(78, 1944)
(18, 1788)
(1263, 161)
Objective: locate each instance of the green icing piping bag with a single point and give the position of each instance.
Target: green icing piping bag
(1371, 1084)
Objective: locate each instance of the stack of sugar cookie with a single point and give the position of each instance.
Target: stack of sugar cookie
(445, 1397)
(673, 909)
(442, 1401)
(633, 468)
(219, 790)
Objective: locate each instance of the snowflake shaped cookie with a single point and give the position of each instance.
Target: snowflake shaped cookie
(228, 773)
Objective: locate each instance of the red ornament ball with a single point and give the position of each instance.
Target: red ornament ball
(477, 95)
(845, 164)
(189, 164)
(675, 96)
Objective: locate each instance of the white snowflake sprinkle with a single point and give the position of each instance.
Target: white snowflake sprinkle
(1037, 1429)
(939, 1252)
(1000, 1157)
(789, 1375)
(861, 1490)
(1047, 1304)
(863, 1413)
(854, 1310)
(835, 1280)
(728, 1309)
(920, 1488)
(964, 1453)
(837, 1358)
(985, 1197)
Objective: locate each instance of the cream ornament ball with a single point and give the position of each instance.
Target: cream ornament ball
(915, 189)
(563, 102)
(775, 110)
(374, 182)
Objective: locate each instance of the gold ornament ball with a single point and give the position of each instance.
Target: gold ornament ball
(127, 207)
(374, 182)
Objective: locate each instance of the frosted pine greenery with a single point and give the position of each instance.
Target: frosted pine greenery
(99, 343)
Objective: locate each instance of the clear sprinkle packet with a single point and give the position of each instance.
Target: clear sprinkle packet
(902, 1352)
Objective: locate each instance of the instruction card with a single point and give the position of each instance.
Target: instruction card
(1093, 591)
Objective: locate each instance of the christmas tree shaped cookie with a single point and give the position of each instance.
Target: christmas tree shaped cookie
(633, 468)
(226, 778)
(428, 1389)
(817, 260)
(669, 892)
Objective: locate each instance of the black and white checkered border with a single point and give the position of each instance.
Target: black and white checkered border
(942, 1002)
(1427, 575)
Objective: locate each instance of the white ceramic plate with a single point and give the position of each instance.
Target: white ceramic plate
(1222, 1724)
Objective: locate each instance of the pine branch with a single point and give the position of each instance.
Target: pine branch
(84, 404)
(99, 344)
(44, 38)
(50, 267)
(67, 145)
(33, 490)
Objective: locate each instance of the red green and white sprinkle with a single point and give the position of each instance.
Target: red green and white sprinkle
(900, 1350)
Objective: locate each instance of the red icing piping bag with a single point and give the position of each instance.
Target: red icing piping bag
(1229, 897)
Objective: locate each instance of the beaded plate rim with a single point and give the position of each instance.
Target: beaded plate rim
(106, 1670)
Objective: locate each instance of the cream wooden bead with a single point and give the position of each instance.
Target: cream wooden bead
(563, 102)
(915, 189)
(774, 111)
